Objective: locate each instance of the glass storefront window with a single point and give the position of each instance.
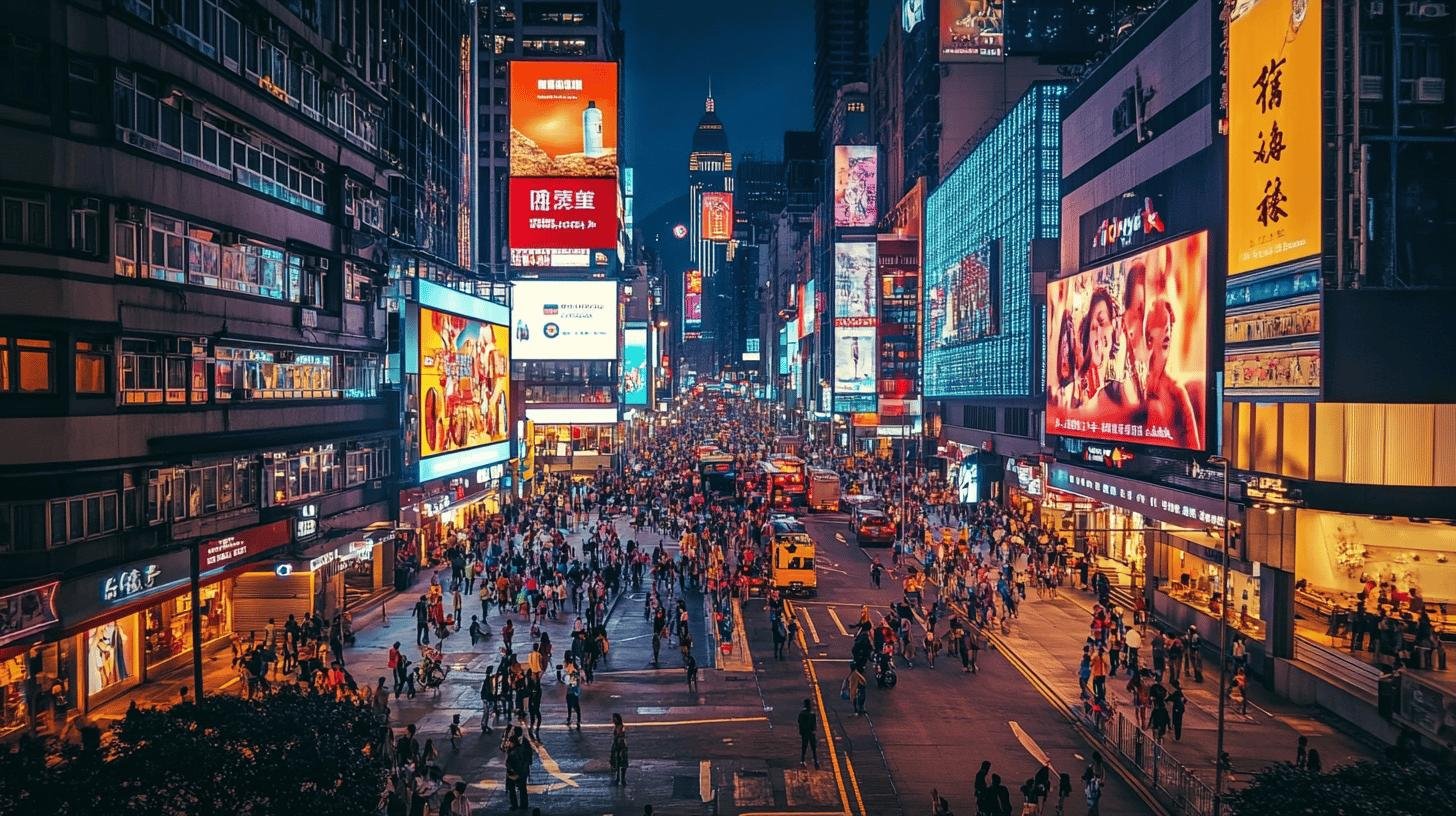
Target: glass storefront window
(1196, 582)
(111, 654)
(169, 624)
(12, 694)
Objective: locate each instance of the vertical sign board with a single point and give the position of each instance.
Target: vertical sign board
(692, 325)
(1275, 133)
(856, 318)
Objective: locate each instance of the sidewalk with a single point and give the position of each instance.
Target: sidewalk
(378, 622)
(1048, 636)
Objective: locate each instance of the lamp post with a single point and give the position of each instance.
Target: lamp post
(1223, 641)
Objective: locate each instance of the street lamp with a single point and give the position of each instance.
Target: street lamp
(1223, 641)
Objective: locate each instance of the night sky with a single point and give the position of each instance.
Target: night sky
(760, 54)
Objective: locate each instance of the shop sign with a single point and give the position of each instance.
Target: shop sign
(1165, 505)
(131, 583)
(223, 551)
(494, 473)
(1113, 456)
(305, 524)
(27, 611)
(316, 564)
(434, 507)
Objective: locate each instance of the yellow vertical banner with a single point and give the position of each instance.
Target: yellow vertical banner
(1275, 133)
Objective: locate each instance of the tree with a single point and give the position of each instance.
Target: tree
(1389, 788)
(289, 753)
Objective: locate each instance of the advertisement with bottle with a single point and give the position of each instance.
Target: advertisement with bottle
(564, 320)
(563, 118)
(717, 216)
(464, 382)
(1127, 348)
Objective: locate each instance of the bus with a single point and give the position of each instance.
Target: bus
(791, 568)
(823, 490)
(782, 483)
(719, 472)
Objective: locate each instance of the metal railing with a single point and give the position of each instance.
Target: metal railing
(1181, 790)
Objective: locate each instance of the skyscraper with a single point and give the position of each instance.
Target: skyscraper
(841, 52)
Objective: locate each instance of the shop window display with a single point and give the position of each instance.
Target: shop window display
(12, 694)
(169, 624)
(110, 655)
(1196, 582)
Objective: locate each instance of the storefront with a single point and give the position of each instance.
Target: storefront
(437, 510)
(1024, 485)
(26, 615)
(562, 447)
(329, 578)
(133, 623)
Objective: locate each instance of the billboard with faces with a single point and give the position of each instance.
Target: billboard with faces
(1127, 348)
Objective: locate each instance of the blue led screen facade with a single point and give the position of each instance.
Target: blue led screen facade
(980, 336)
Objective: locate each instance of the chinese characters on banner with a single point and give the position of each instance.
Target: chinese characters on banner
(563, 213)
(716, 222)
(1275, 133)
(692, 304)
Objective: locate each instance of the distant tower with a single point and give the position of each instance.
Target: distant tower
(710, 169)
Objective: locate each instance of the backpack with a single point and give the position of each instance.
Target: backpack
(1093, 790)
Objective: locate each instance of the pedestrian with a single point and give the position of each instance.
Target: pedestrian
(1180, 705)
(487, 699)
(455, 733)
(807, 739)
(475, 631)
(999, 796)
(1312, 761)
(1301, 752)
(690, 665)
(573, 694)
(455, 802)
(1092, 790)
(779, 636)
(1064, 792)
(619, 750)
(858, 689)
(422, 621)
(982, 787)
(519, 755)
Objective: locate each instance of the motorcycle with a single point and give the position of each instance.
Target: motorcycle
(432, 671)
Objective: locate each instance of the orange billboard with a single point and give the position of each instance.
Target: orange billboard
(717, 216)
(1275, 133)
(563, 118)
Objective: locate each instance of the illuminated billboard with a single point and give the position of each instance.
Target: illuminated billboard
(634, 366)
(563, 213)
(1275, 133)
(563, 119)
(716, 222)
(464, 382)
(963, 299)
(854, 359)
(854, 281)
(564, 320)
(692, 304)
(856, 185)
(898, 264)
(1127, 348)
(972, 31)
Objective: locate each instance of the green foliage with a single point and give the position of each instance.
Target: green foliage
(287, 754)
(1404, 788)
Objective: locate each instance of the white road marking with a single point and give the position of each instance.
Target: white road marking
(834, 616)
(809, 619)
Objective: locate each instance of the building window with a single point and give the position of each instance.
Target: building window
(26, 365)
(86, 226)
(81, 89)
(25, 220)
(77, 518)
(22, 527)
(22, 71)
(167, 256)
(980, 417)
(91, 364)
(124, 245)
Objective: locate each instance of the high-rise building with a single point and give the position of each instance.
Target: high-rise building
(192, 332)
(841, 52)
(710, 190)
(527, 29)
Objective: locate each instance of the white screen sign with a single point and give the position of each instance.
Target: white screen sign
(564, 320)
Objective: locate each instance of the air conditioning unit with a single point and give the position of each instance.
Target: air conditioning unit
(133, 213)
(1432, 11)
(307, 318)
(1430, 90)
(1372, 86)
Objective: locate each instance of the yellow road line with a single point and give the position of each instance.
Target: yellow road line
(834, 616)
(809, 619)
(662, 723)
(823, 720)
(854, 781)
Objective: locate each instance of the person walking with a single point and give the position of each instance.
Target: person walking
(422, 621)
(519, 755)
(858, 689)
(619, 750)
(807, 738)
(573, 694)
(1180, 705)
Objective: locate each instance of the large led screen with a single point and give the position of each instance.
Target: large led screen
(464, 382)
(856, 185)
(972, 31)
(563, 118)
(634, 366)
(692, 304)
(1127, 355)
(1275, 133)
(855, 359)
(563, 213)
(963, 299)
(854, 280)
(564, 320)
(716, 218)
